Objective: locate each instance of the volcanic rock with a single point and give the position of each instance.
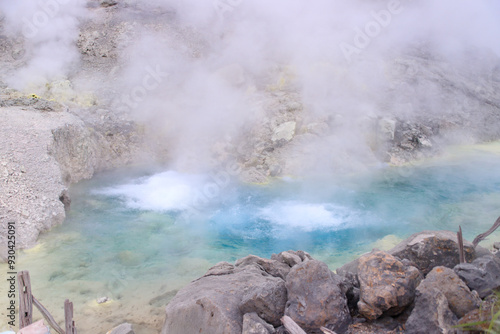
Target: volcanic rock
(387, 285)
(253, 324)
(315, 298)
(482, 275)
(431, 314)
(429, 249)
(272, 267)
(460, 299)
(213, 303)
(291, 258)
(267, 299)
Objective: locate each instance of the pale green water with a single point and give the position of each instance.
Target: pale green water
(133, 238)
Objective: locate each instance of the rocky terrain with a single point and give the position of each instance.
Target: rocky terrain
(419, 286)
(42, 153)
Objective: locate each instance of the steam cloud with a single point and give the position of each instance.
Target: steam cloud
(208, 73)
(50, 29)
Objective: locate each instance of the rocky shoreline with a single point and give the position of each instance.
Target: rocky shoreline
(419, 286)
(42, 153)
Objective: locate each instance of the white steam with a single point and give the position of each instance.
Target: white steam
(50, 29)
(212, 70)
(338, 55)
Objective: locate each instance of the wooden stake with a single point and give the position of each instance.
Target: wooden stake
(68, 317)
(291, 325)
(483, 236)
(25, 299)
(461, 250)
(47, 316)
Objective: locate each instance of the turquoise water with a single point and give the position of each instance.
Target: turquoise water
(133, 236)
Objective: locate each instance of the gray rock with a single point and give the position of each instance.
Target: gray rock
(350, 287)
(315, 298)
(351, 267)
(429, 249)
(481, 251)
(496, 245)
(431, 314)
(482, 275)
(221, 268)
(253, 324)
(212, 303)
(460, 299)
(272, 267)
(125, 328)
(291, 258)
(267, 299)
(387, 286)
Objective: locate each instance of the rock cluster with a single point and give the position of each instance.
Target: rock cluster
(417, 287)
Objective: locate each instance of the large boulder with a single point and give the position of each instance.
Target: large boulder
(387, 285)
(431, 314)
(214, 302)
(315, 298)
(460, 299)
(482, 275)
(429, 249)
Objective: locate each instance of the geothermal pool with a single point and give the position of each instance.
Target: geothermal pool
(137, 237)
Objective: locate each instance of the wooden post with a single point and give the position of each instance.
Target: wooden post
(68, 317)
(483, 236)
(25, 299)
(291, 325)
(461, 250)
(47, 316)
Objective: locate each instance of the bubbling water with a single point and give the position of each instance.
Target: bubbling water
(138, 239)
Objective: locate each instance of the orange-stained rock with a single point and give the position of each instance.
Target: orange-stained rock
(387, 285)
